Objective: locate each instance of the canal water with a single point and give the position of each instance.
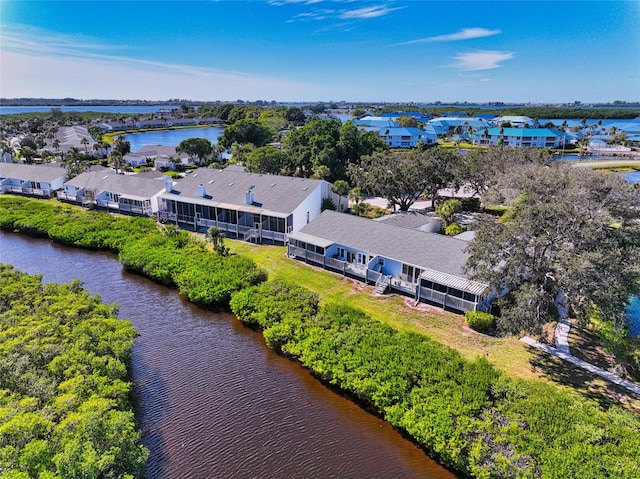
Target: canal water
(212, 400)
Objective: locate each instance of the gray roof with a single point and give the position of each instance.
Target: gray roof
(424, 250)
(278, 194)
(131, 186)
(31, 172)
(410, 219)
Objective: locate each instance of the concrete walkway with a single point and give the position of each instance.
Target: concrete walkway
(567, 356)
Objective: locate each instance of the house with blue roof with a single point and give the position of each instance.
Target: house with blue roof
(407, 137)
(521, 137)
(446, 125)
(376, 122)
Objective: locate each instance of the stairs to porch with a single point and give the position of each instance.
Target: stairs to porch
(382, 284)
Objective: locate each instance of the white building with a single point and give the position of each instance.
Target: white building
(31, 180)
(249, 206)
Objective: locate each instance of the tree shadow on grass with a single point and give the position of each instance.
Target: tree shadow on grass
(587, 384)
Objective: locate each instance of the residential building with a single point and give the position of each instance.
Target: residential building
(406, 137)
(427, 266)
(31, 180)
(249, 206)
(130, 194)
(515, 121)
(522, 137)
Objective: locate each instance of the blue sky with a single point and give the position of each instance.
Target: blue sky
(315, 50)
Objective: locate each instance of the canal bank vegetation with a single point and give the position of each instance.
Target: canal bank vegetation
(168, 255)
(64, 387)
(466, 413)
(472, 415)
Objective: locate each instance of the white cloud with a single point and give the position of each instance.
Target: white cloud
(464, 34)
(481, 60)
(51, 66)
(366, 12)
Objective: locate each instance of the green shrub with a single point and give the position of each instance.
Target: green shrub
(453, 229)
(479, 321)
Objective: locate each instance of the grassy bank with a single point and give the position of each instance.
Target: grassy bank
(507, 354)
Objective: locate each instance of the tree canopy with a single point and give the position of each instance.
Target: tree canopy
(569, 242)
(64, 387)
(330, 144)
(200, 148)
(247, 130)
(403, 176)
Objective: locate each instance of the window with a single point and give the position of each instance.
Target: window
(340, 252)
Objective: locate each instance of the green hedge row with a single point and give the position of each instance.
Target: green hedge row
(169, 256)
(467, 414)
(64, 386)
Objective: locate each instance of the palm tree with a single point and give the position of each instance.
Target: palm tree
(340, 188)
(216, 236)
(355, 195)
(85, 142)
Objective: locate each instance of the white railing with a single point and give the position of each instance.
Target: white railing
(405, 286)
(382, 283)
(28, 191)
(446, 300)
(356, 270)
(334, 263)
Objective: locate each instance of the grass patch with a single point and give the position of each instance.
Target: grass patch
(507, 354)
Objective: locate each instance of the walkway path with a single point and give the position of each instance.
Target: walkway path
(562, 351)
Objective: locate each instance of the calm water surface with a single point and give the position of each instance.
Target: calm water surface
(212, 400)
(172, 137)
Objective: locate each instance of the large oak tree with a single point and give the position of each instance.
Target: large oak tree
(570, 242)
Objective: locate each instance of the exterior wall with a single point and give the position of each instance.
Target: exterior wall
(34, 188)
(311, 205)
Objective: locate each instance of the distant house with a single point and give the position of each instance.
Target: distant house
(157, 156)
(427, 266)
(515, 121)
(130, 194)
(73, 137)
(521, 137)
(376, 122)
(447, 125)
(406, 137)
(31, 180)
(249, 206)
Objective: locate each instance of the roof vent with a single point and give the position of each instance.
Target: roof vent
(248, 197)
(202, 192)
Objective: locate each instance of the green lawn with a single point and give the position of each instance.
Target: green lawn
(507, 354)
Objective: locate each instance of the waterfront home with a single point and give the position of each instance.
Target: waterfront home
(521, 137)
(132, 194)
(31, 180)
(159, 156)
(427, 266)
(249, 206)
(407, 137)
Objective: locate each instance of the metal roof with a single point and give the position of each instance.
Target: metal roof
(298, 236)
(452, 281)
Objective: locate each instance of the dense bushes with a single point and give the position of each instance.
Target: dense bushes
(482, 322)
(467, 414)
(64, 387)
(70, 226)
(169, 256)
